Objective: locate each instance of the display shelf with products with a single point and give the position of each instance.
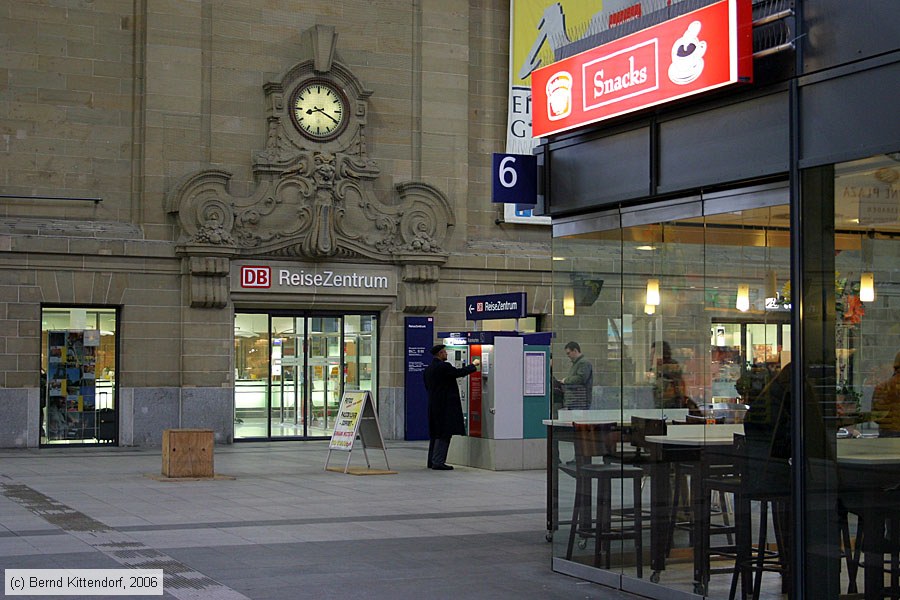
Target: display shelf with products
(744, 356)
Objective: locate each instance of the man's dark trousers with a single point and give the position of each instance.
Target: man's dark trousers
(437, 451)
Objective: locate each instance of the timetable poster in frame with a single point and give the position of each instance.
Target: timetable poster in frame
(71, 384)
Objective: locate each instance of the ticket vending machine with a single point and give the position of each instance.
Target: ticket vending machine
(458, 356)
(505, 401)
(462, 349)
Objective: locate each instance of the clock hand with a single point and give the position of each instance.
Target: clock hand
(310, 111)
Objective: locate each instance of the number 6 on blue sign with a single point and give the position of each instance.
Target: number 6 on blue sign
(505, 171)
(514, 179)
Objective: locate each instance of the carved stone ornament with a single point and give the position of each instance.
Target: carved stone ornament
(313, 200)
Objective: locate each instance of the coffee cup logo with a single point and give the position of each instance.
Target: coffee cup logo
(687, 56)
(559, 96)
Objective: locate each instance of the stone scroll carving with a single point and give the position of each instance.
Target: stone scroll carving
(318, 209)
(313, 201)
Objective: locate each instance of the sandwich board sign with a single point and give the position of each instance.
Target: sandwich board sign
(356, 418)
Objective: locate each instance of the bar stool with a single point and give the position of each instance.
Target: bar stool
(878, 539)
(720, 482)
(641, 427)
(850, 548)
(591, 440)
(763, 480)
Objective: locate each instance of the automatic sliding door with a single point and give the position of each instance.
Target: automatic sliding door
(325, 372)
(286, 413)
(291, 370)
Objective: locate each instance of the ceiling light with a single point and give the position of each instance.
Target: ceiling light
(653, 292)
(569, 302)
(867, 287)
(743, 298)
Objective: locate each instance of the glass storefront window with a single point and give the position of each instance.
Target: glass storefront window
(683, 311)
(852, 378)
(291, 371)
(78, 376)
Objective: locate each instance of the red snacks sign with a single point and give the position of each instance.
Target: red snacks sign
(700, 51)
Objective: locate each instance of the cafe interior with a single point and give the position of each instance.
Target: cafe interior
(725, 406)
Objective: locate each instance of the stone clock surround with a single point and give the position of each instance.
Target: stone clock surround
(313, 201)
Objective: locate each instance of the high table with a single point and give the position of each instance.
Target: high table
(561, 430)
(867, 467)
(867, 464)
(558, 430)
(682, 443)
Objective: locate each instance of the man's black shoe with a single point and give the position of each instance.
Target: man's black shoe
(442, 467)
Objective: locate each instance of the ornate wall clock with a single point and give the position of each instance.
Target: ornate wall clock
(319, 110)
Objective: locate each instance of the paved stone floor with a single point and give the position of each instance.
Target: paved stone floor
(279, 526)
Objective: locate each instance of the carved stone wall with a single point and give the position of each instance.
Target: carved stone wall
(313, 200)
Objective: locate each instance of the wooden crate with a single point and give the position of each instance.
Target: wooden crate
(187, 453)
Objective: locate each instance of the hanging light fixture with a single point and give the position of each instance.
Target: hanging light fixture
(743, 298)
(653, 292)
(867, 287)
(649, 309)
(867, 278)
(569, 302)
(771, 284)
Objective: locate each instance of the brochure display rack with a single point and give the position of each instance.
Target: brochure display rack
(71, 384)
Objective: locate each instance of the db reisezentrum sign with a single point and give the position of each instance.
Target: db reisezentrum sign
(699, 51)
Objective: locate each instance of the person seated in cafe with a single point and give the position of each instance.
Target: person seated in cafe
(576, 388)
(886, 403)
(669, 390)
(767, 424)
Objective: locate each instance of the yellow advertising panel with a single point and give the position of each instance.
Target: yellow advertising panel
(536, 28)
(347, 423)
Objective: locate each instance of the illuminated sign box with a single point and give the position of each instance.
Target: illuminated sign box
(702, 50)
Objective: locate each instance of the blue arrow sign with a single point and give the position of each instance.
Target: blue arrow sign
(495, 306)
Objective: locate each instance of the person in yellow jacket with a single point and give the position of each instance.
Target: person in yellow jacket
(886, 403)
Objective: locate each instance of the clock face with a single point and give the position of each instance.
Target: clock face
(319, 110)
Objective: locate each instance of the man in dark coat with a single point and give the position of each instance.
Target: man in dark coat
(445, 418)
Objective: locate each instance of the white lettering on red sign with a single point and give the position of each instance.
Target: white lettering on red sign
(330, 279)
(256, 277)
(624, 74)
(694, 53)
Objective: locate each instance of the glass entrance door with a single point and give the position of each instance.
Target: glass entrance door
(291, 371)
(324, 370)
(286, 413)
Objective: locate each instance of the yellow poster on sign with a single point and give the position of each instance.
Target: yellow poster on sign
(347, 423)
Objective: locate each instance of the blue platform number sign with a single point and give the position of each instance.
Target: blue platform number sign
(515, 179)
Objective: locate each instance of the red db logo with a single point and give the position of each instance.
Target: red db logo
(256, 277)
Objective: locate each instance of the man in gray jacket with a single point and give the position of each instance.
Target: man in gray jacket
(577, 385)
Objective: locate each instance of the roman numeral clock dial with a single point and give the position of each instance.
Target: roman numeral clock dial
(319, 111)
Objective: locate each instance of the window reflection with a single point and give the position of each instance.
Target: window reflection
(687, 334)
(866, 383)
